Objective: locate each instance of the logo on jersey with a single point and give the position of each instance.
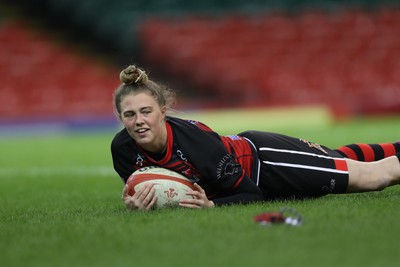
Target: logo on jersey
(180, 154)
(193, 122)
(314, 145)
(139, 161)
(331, 187)
(234, 137)
(227, 167)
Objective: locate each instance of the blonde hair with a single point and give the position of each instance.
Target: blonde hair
(135, 80)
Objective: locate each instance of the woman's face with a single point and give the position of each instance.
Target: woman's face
(144, 120)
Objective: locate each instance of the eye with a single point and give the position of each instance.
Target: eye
(146, 112)
(129, 114)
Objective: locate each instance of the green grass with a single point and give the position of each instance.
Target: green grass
(60, 206)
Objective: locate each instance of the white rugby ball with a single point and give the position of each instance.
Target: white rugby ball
(170, 187)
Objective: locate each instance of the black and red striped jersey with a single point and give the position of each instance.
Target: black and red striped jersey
(222, 165)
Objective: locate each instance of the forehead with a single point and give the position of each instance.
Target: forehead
(138, 101)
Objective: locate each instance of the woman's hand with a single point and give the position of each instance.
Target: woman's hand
(143, 199)
(198, 201)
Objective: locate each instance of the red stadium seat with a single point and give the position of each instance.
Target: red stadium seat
(40, 78)
(310, 57)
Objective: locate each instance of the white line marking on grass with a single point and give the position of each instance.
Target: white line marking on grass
(52, 171)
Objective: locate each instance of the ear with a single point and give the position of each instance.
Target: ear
(164, 111)
(118, 115)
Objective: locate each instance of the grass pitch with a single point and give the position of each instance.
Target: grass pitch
(60, 206)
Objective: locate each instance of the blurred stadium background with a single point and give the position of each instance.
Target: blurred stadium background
(60, 59)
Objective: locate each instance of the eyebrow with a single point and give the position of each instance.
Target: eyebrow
(141, 109)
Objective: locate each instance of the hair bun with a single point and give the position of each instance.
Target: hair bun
(132, 74)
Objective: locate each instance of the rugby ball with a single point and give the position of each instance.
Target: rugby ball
(170, 187)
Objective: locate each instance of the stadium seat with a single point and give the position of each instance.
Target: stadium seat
(262, 52)
(43, 79)
(310, 57)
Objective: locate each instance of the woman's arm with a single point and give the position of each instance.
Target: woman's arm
(246, 192)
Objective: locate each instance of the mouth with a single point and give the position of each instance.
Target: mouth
(141, 131)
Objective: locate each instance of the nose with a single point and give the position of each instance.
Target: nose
(139, 119)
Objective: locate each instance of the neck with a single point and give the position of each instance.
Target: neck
(160, 145)
(159, 149)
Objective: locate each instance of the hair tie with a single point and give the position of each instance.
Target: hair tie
(140, 75)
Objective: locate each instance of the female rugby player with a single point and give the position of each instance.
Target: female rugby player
(248, 167)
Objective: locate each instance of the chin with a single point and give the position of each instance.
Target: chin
(143, 142)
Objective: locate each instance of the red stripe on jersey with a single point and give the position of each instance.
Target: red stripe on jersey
(340, 164)
(239, 181)
(201, 125)
(241, 151)
(369, 154)
(388, 149)
(349, 152)
(170, 142)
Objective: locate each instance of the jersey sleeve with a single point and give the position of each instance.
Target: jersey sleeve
(221, 173)
(122, 156)
(246, 192)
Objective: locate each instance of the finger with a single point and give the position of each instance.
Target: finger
(130, 203)
(191, 201)
(194, 194)
(143, 191)
(189, 206)
(185, 204)
(198, 199)
(199, 188)
(149, 197)
(125, 191)
(152, 203)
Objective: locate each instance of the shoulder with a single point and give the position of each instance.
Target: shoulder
(177, 121)
(121, 139)
(124, 153)
(188, 124)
